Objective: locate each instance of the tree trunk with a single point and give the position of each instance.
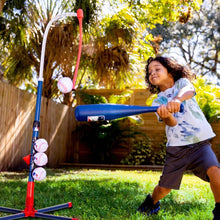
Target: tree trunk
(2, 2)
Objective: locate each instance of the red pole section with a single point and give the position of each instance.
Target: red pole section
(80, 17)
(29, 205)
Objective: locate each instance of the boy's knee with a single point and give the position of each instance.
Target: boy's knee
(214, 170)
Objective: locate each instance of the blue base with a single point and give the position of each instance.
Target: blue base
(18, 214)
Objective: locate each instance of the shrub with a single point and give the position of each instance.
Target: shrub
(142, 153)
(102, 137)
(207, 96)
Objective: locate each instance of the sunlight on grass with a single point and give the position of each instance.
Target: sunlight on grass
(104, 194)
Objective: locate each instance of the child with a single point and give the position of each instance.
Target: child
(188, 132)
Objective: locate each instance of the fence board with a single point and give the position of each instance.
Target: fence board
(16, 111)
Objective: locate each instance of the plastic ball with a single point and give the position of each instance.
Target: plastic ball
(39, 173)
(40, 145)
(40, 159)
(65, 85)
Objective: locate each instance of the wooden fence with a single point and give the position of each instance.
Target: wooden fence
(17, 109)
(58, 126)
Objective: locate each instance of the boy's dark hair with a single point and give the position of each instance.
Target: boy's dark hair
(178, 71)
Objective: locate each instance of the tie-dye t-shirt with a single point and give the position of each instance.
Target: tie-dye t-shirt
(192, 126)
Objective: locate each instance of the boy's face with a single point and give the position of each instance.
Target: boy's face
(159, 76)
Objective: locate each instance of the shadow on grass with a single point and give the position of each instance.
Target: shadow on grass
(13, 175)
(106, 198)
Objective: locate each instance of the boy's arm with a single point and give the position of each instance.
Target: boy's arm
(165, 111)
(185, 93)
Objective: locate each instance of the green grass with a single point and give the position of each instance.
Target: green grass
(101, 194)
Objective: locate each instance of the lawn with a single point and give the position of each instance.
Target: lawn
(104, 194)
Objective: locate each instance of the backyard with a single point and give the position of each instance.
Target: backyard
(106, 194)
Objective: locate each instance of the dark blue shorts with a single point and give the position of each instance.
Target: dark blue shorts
(196, 157)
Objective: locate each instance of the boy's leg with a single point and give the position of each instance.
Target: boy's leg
(214, 178)
(171, 177)
(151, 204)
(159, 193)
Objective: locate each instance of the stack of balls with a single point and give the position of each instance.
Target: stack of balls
(65, 85)
(40, 159)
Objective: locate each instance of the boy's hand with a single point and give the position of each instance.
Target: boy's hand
(174, 105)
(163, 112)
(166, 116)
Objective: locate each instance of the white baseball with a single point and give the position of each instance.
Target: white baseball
(39, 173)
(65, 85)
(40, 159)
(40, 145)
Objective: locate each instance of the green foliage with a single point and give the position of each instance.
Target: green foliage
(122, 98)
(89, 11)
(143, 153)
(91, 99)
(154, 12)
(208, 98)
(96, 99)
(123, 21)
(11, 5)
(161, 154)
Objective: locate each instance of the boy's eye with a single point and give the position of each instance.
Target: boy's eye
(156, 70)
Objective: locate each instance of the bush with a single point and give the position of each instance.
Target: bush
(142, 153)
(102, 137)
(207, 96)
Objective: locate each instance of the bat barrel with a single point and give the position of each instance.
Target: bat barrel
(99, 112)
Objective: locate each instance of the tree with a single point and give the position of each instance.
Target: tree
(114, 45)
(11, 7)
(124, 32)
(23, 60)
(197, 41)
(2, 2)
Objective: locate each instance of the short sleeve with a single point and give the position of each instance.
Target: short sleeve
(183, 82)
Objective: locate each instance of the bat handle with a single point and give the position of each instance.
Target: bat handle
(181, 108)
